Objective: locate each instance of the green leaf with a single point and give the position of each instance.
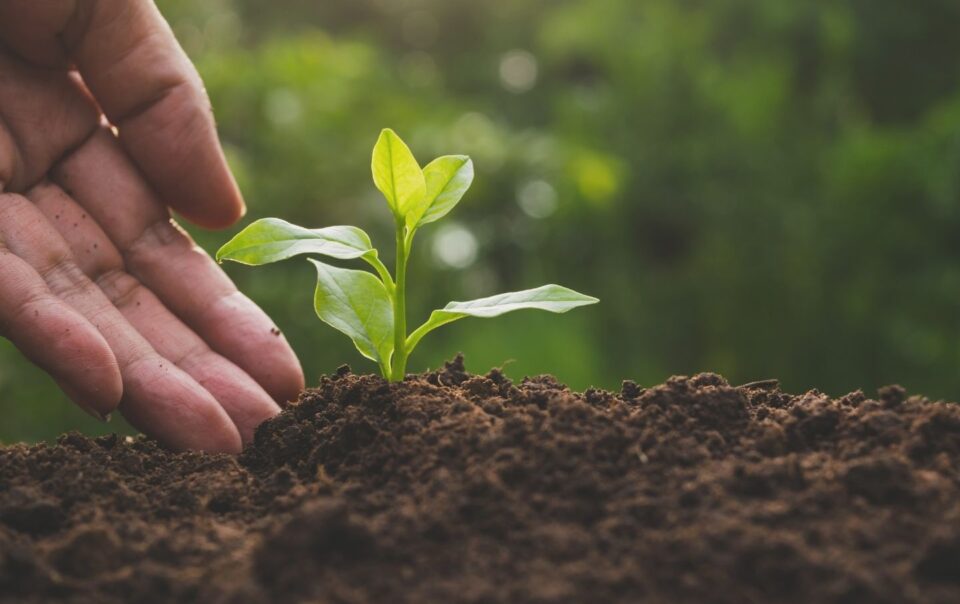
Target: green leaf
(551, 298)
(271, 240)
(398, 176)
(356, 303)
(448, 178)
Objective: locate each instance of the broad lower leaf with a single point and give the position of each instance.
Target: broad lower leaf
(271, 240)
(398, 175)
(448, 178)
(356, 303)
(551, 298)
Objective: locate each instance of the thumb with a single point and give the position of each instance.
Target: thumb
(130, 60)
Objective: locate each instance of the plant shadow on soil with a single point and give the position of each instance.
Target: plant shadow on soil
(451, 487)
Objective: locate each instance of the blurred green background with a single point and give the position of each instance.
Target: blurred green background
(761, 188)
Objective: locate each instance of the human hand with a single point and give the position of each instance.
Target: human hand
(104, 123)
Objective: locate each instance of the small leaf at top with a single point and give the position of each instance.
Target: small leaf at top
(551, 298)
(398, 175)
(448, 178)
(357, 304)
(271, 240)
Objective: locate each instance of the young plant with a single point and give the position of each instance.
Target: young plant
(371, 308)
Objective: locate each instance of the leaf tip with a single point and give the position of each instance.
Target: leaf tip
(387, 136)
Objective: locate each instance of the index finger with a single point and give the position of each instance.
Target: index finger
(147, 87)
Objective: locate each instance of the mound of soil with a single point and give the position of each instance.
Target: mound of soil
(451, 487)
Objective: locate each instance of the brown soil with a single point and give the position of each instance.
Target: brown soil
(459, 488)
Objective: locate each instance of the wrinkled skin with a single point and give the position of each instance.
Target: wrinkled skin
(104, 127)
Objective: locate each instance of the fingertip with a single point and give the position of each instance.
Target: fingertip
(251, 407)
(285, 380)
(98, 403)
(279, 375)
(84, 366)
(215, 216)
(253, 343)
(211, 432)
(243, 206)
(227, 440)
(257, 411)
(245, 401)
(103, 388)
(276, 368)
(166, 403)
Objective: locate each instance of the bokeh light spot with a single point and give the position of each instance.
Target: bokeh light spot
(454, 246)
(518, 71)
(537, 198)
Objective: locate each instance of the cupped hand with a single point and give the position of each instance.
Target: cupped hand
(104, 126)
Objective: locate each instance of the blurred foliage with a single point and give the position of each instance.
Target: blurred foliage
(758, 188)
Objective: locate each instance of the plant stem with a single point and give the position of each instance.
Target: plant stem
(399, 365)
(381, 270)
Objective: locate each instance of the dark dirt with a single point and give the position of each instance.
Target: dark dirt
(459, 488)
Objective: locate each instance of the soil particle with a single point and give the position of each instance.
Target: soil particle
(452, 487)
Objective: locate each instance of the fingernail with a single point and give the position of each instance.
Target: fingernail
(82, 403)
(104, 417)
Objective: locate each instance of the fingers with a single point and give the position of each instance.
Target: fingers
(147, 88)
(151, 92)
(158, 397)
(100, 178)
(245, 401)
(43, 113)
(56, 337)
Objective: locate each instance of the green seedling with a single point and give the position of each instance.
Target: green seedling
(371, 308)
